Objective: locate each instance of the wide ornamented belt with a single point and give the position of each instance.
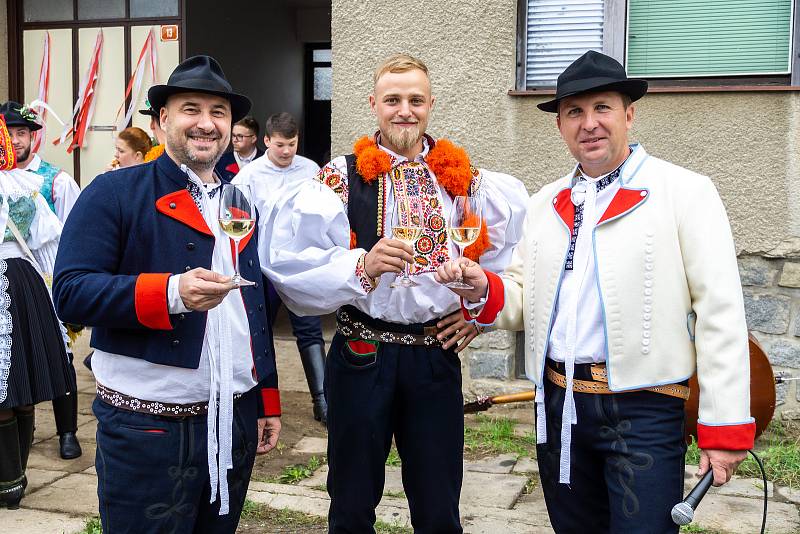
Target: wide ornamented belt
(351, 327)
(599, 384)
(163, 409)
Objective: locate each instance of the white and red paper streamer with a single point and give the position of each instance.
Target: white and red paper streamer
(43, 95)
(148, 59)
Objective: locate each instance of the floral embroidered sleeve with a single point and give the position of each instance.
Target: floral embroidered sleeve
(367, 283)
(334, 175)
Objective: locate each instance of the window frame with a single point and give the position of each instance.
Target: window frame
(615, 44)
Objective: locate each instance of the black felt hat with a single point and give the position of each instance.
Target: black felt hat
(199, 74)
(593, 72)
(149, 111)
(18, 115)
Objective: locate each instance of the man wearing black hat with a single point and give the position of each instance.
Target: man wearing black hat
(186, 379)
(60, 191)
(625, 282)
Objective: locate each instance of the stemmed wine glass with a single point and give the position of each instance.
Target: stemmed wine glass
(237, 219)
(464, 228)
(407, 218)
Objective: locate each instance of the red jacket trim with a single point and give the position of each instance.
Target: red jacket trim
(150, 300)
(726, 437)
(271, 399)
(624, 201)
(181, 207)
(565, 208)
(233, 167)
(495, 302)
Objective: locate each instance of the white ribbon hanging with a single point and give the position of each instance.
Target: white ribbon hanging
(147, 57)
(43, 95)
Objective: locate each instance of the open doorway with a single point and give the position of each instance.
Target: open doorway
(318, 92)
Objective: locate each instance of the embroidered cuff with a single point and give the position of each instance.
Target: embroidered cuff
(495, 300)
(735, 437)
(367, 283)
(271, 402)
(150, 300)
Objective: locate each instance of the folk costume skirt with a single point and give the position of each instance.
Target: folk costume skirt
(40, 369)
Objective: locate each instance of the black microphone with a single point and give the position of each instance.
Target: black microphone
(683, 512)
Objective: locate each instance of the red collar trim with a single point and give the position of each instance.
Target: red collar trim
(181, 207)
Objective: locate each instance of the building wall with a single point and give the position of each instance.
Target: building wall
(747, 142)
(3, 50)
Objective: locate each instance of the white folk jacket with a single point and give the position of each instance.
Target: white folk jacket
(669, 285)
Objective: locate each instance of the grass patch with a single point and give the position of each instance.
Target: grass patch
(530, 485)
(396, 494)
(697, 529)
(250, 509)
(92, 526)
(779, 449)
(495, 435)
(385, 528)
(393, 460)
(293, 474)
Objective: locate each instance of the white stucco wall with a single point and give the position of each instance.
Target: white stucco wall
(747, 142)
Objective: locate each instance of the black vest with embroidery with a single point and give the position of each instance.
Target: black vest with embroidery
(362, 206)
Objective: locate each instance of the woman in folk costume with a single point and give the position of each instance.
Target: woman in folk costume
(33, 357)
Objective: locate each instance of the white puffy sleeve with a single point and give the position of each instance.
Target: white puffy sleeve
(304, 246)
(65, 194)
(504, 206)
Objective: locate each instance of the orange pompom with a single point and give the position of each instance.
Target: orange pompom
(353, 240)
(154, 153)
(475, 250)
(371, 161)
(450, 164)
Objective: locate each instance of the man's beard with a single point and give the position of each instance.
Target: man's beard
(26, 153)
(178, 143)
(403, 138)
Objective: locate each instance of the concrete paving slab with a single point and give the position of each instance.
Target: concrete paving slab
(44, 455)
(74, 494)
(319, 478)
(39, 522)
(740, 515)
(38, 478)
(526, 465)
(46, 427)
(491, 490)
(90, 471)
(493, 525)
(788, 494)
(523, 430)
(502, 464)
(745, 487)
(312, 445)
(85, 400)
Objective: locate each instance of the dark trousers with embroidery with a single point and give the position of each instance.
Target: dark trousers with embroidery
(414, 394)
(152, 471)
(307, 330)
(627, 461)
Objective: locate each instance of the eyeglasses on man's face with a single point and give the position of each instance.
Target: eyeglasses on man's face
(241, 137)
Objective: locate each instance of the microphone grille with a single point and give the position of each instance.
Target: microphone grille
(682, 514)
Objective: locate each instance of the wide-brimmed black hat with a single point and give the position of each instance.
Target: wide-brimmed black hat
(18, 115)
(592, 72)
(149, 111)
(199, 74)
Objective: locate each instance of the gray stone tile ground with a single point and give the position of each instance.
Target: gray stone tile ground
(63, 494)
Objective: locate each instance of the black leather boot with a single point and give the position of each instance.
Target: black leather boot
(11, 474)
(313, 359)
(66, 412)
(25, 427)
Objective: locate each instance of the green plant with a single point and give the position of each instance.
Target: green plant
(393, 459)
(493, 435)
(292, 474)
(395, 494)
(92, 526)
(250, 510)
(385, 528)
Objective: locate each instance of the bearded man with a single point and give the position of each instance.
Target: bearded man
(393, 369)
(186, 379)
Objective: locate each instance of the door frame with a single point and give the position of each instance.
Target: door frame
(16, 59)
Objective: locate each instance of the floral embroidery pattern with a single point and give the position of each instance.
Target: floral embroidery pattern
(366, 282)
(431, 249)
(334, 178)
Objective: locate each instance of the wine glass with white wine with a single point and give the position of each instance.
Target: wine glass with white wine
(237, 219)
(407, 218)
(464, 228)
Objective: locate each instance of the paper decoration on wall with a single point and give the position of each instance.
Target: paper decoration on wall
(44, 90)
(148, 58)
(84, 107)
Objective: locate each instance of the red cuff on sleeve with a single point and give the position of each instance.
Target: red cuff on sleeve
(726, 437)
(150, 300)
(271, 399)
(495, 302)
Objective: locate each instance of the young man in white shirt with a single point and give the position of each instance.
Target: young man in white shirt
(244, 138)
(267, 176)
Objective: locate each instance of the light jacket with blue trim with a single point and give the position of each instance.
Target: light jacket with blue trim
(669, 285)
(129, 231)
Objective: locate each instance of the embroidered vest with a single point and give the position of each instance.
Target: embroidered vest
(49, 173)
(362, 207)
(22, 212)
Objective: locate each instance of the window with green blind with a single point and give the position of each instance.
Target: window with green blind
(677, 38)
